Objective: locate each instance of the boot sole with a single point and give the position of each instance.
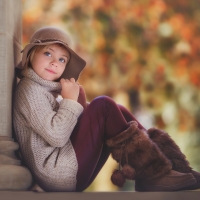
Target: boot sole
(192, 187)
(154, 188)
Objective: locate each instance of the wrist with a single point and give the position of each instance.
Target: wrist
(70, 98)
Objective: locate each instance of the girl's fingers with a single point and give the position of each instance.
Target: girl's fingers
(72, 80)
(62, 80)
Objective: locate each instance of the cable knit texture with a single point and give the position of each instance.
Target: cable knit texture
(43, 128)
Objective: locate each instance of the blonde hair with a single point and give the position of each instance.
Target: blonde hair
(30, 57)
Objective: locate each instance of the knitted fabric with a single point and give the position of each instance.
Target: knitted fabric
(43, 128)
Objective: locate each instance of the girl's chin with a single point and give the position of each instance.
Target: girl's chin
(49, 78)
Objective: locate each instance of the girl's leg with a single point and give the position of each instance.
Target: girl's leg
(129, 116)
(101, 120)
(105, 153)
(102, 160)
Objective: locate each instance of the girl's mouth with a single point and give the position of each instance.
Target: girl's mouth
(51, 71)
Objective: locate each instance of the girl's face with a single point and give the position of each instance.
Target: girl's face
(49, 63)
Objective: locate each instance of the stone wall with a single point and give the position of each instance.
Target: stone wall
(13, 176)
(10, 42)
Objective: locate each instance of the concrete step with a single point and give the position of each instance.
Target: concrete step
(26, 195)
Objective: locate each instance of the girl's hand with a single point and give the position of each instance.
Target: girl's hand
(70, 89)
(82, 96)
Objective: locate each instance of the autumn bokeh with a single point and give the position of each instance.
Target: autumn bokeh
(145, 54)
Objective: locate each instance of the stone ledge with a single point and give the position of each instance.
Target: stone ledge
(19, 195)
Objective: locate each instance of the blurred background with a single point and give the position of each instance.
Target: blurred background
(144, 54)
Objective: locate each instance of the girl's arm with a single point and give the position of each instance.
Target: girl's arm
(54, 126)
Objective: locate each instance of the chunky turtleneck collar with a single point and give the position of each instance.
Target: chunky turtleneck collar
(51, 86)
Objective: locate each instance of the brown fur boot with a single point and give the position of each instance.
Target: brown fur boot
(152, 169)
(174, 154)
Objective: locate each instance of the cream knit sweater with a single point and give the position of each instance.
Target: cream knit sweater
(43, 128)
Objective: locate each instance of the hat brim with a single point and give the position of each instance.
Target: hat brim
(72, 70)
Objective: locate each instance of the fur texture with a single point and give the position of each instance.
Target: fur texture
(118, 178)
(128, 172)
(170, 149)
(118, 139)
(140, 153)
(174, 154)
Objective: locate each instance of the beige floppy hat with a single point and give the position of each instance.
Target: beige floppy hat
(48, 36)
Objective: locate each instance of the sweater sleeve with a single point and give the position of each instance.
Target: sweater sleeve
(54, 126)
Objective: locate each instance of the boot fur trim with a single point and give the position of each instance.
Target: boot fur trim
(121, 137)
(143, 154)
(172, 152)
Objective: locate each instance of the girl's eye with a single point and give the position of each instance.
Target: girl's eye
(47, 54)
(62, 60)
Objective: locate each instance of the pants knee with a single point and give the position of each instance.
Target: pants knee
(102, 101)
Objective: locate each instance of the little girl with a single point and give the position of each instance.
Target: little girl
(65, 141)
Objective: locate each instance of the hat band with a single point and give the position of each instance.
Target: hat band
(49, 40)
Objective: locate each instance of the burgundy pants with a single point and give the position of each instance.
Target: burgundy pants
(101, 120)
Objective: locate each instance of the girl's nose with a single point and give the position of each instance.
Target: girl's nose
(54, 63)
